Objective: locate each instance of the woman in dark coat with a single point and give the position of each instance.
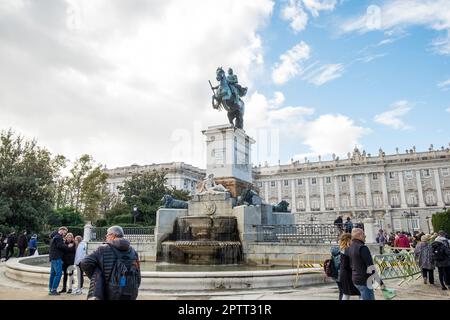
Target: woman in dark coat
(345, 271)
(68, 261)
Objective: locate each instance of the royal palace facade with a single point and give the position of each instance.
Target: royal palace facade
(400, 191)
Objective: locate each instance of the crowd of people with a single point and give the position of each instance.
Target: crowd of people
(10, 241)
(113, 268)
(355, 270)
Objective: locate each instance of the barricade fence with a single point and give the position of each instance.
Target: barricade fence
(298, 233)
(133, 234)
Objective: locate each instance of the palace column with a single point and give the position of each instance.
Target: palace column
(279, 190)
(402, 189)
(368, 192)
(419, 189)
(384, 190)
(293, 198)
(352, 192)
(308, 207)
(266, 191)
(337, 198)
(322, 195)
(437, 182)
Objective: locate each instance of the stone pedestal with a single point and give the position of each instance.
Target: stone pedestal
(369, 230)
(247, 217)
(228, 154)
(165, 221)
(236, 186)
(220, 204)
(87, 232)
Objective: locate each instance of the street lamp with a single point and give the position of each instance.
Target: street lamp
(135, 213)
(409, 215)
(428, 224)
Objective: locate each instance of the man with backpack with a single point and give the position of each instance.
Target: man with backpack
(113, 269)
(441, 255)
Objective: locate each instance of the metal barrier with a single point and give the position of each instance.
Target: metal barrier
(299, 233)
(397, 265)
(133, 234)
(307, 260)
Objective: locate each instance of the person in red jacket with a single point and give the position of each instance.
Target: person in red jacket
(403, 241)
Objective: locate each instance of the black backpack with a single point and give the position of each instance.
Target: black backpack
(438, 251)
(330, 268)
(124, 281)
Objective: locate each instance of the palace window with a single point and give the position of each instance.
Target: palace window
(330, 204)
(380, 223)
(343, 178)
(391, 175)
(286, 183)
(313, 180)
(377, 202)
(397, 224)
(447, 197)
(315, 204)
(412, 199)
(415, 223)
(361, 203)
(328, 180)
(374, 176)
(409, 174)
(429, 199)
(272, 184)
(344, 203)
(301, 205)
(445, 172)
(299, 182)
(359, 177)
(425, 173)
(394, 200)
(259, 184)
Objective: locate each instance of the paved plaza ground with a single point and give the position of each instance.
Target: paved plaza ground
(413, 290)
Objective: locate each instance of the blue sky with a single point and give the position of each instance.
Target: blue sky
(405, 70)
(126, 81)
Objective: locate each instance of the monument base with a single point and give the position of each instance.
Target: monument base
(234, 185)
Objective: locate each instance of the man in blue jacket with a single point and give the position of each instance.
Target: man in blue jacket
(57, 248)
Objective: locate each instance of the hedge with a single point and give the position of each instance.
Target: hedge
(441, 221)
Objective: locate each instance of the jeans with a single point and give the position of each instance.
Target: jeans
(430, 275)
(22, 252)
(366, 293)
(381, 249)
(55, 274)
(341, 293)
(80, 277)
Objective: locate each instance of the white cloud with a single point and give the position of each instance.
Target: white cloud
(294, 11)
(314, 6)
(330, 134)
(295, 126)
(371, 57)
(444, 85)
(278, 99)
(116, 79)
(325, 74)
(432, 14)
(392, 118)
(289, 65)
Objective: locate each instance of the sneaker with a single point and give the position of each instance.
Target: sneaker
(75, 291)
(424, 281)
(444, 288)
(69, 291)
(63, 290)
(53, 293)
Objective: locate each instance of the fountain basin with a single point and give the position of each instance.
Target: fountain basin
(28, 270)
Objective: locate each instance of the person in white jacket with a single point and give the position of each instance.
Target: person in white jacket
(79, 255)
